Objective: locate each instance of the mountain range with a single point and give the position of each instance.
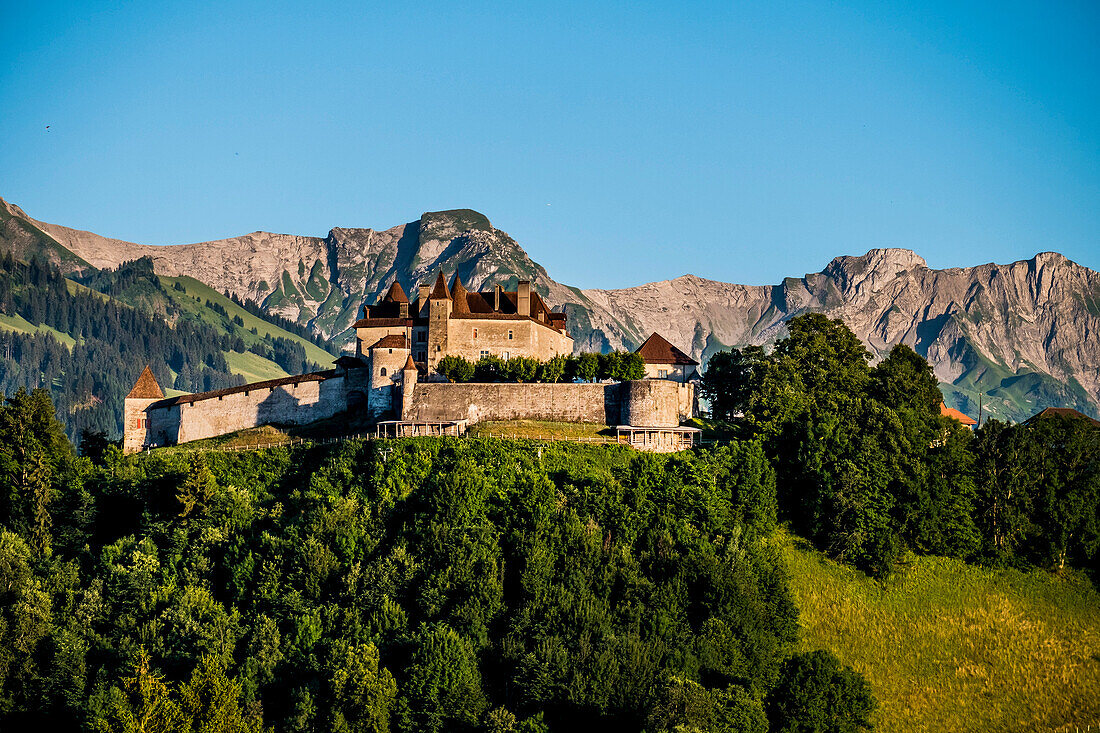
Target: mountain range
(1015, 338)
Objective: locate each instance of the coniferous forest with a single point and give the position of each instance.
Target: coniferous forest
(93, 338)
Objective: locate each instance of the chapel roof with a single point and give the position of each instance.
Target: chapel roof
(657, 350)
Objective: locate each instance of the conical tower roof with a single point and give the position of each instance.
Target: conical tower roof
(440, 291)
(396, 294)
(458, 295)
(410, 364)
(146, 387)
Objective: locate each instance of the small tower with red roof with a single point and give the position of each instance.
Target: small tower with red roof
(136, 429)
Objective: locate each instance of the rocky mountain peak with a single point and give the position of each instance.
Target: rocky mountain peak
(887, 261)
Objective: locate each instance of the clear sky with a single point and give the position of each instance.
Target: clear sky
(618, 142)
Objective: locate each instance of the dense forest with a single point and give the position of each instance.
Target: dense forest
(868, 469)
(113, 338)
(413, 585)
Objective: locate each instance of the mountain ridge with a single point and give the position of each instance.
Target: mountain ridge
(1017, 337)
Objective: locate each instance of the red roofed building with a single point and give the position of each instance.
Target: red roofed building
(954, 414)
(665, 361)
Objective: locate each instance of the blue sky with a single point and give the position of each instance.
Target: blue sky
(618, 142)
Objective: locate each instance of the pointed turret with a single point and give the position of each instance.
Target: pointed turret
(458, 295)
(409, 376)
(136, 430)
(396, 294)
(440, 291)
(146, 387)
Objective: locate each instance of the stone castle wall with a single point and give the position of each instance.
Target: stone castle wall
(649, 403)
(285, 404)
(659, 403)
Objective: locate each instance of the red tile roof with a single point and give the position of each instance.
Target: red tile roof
(1064, 413)
(657, 350)
(268, 384)
(146, 387)
(955, 414)
(465, 304)
(393, 341)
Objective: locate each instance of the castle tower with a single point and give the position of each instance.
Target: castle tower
(408, 386)
(135, 416)
(439, 315)
(387, 355)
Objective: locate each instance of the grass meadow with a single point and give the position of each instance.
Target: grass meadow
(948, 646)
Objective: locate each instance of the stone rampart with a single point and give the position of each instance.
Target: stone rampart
(658, 403)
(285, 404)
(591, 403)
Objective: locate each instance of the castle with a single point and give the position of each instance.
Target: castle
(392, 379)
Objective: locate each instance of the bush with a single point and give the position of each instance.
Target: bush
(816, 694)
(456, 368)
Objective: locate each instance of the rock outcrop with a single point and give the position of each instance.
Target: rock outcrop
(1019, 337)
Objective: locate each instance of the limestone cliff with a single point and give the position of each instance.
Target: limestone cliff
(1025, 334)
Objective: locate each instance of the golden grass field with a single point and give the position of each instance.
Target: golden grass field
(949, 646)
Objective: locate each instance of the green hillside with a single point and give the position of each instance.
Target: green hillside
(199, 293)
(18, 324)
(253, 367)
(87, 337)
(949, 646)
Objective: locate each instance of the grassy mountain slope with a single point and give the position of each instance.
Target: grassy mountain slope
(195, 304)
(19, 324)
(948, 646)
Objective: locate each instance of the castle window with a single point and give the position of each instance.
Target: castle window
(509, 334)
(662, 374)
(382, 371)
(505, 356)
(475, 333)
(484, 353)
